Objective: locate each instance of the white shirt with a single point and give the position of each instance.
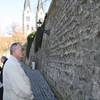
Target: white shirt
(15, 82)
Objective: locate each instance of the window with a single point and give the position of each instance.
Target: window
(27, 18)
(27, 12)
(27, 27)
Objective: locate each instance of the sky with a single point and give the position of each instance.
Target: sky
(11, 12)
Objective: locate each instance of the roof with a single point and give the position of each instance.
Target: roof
(27, 4)
(40, 5)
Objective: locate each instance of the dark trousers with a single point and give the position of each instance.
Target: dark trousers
(1, 93)
(1, 89)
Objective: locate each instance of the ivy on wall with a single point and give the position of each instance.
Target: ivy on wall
(38, 39)
(39, 35)
(30, 39)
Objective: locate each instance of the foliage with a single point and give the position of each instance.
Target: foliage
(39, 36)
(5, 42)
(38, 39)
(30, 39)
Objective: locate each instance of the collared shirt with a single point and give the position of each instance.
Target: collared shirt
(15, 82)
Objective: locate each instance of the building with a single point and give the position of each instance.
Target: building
(39, 14)
(27, 18)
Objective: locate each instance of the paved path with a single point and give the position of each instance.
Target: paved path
(40, 88)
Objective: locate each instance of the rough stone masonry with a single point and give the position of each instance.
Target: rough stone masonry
(70, 56)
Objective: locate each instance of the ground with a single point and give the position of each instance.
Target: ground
(40, 87)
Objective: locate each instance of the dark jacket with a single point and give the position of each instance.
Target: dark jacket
(1, 70)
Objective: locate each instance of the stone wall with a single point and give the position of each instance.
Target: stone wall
(70, 56)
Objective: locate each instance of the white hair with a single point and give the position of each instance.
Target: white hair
(13, 47)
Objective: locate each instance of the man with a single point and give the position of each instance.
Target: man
(3, 60)
(15, 82)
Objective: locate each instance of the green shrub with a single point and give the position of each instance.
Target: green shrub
(30, 39)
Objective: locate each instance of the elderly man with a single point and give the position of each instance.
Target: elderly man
(15, 82)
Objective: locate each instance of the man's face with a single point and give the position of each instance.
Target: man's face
(18, 52)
